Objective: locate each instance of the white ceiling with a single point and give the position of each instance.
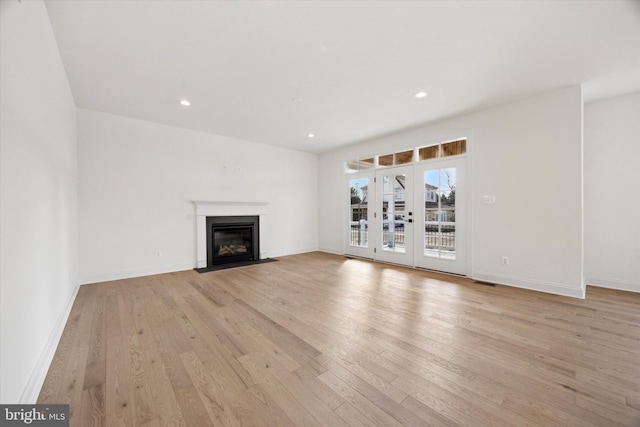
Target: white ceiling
(274, 71)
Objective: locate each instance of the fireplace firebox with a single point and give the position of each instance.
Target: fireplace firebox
(232, 239)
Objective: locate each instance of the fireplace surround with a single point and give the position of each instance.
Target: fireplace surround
(206, 209)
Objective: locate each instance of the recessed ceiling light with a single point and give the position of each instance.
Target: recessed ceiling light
(421, 94)
(311, 135)
(185, 102)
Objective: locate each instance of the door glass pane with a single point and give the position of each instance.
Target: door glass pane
(359, 212)
(387, 185)
(448, 241)
(440, 213)
(448, 212)
(393, 207)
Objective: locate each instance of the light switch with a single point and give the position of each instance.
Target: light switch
(488, 200)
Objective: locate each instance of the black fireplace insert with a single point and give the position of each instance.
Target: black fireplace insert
(232, 239)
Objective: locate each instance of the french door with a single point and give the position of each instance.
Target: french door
(441, 242)
(410, 215)
(394, 215)
(360, 241)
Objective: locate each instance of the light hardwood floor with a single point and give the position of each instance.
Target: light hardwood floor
(322, 340)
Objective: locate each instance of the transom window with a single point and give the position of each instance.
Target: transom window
(444, 149)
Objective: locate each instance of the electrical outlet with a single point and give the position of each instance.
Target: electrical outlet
(505, 260)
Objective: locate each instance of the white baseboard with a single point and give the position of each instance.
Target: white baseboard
(620, 285)
(128, 274)
(292, 252)
(332, 251)
(534, 285)
(32, 389)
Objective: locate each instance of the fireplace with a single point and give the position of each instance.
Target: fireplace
(231, 210)
(232, 239)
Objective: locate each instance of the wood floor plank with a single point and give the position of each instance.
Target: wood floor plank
(166, 407)
(283, 397)
(381, 394)
(324, 393)
(269, 411)
(301, 351)
(368, 412)
(97, 342)
(256, 343)
(117, 379)
(221, 361)
(431, 416)
(215, 323)
(193, 410)
(219, 398)
(319, 339)
(140, 395)
(93, 408)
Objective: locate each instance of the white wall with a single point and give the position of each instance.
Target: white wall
(529, 155)
(138, 180)
(38, 199)
(612, 192)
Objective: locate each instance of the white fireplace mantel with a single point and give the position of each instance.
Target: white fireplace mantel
(215, 208)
